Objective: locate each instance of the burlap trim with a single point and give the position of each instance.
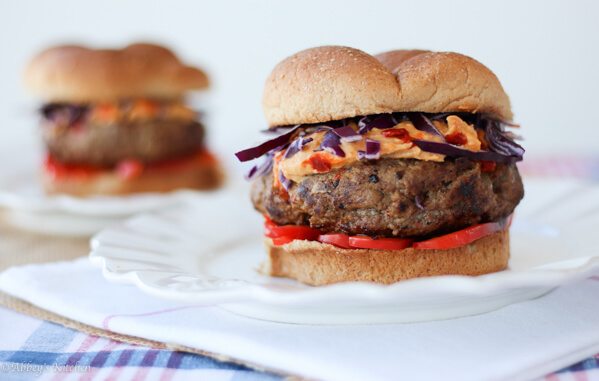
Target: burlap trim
(27, 308)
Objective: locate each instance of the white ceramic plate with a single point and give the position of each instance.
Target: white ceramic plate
(27, 196)
(28, 207)
(208, 252)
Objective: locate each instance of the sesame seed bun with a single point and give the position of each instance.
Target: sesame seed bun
(72, 73)
(317, 263)
(335, 82)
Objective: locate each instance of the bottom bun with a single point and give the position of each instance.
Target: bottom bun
(192, 175)
(317, 263)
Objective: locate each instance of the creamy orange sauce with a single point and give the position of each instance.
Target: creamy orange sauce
(394, 144)
(140, 109)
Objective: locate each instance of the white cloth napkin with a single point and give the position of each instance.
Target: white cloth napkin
(519, 342)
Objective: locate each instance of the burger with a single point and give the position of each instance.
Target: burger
(384, 168)
(116, 122)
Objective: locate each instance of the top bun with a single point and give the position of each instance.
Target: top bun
(446, 82)
(334, 82)
(328, 83)
(78, 74)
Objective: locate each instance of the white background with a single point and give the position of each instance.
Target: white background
(544, 52)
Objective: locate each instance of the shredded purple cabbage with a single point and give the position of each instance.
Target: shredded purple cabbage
(278, 142)
(373, 150)
(381, 121)
(262, 169)
(500, 142)
(347, 134)
(331, 142)
(67, 113)
(423, 123)
(296, 146)
(252, 172)
(501, 145)
(455, 151)
(285, 182)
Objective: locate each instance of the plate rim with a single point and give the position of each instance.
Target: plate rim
(548, 274)
(559, 273)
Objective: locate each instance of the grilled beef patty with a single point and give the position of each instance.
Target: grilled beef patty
(108, 144)
(395, 197)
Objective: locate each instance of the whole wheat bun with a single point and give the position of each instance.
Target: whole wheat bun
(317, 263)
(197, 175)
(335, 82)
(72, 73)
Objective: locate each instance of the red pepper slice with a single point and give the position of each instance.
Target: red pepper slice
(278, 241)
(282, 234)
(130, 169)
(457, 138)
(461, 237)
(363, 242)
(272, 230)
(335, 239)
(398, 133)
(61, 170)
(319, 162)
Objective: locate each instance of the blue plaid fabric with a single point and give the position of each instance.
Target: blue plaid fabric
(590, 365)
(54, 352)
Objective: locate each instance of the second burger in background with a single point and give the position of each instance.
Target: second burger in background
(115, 121)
